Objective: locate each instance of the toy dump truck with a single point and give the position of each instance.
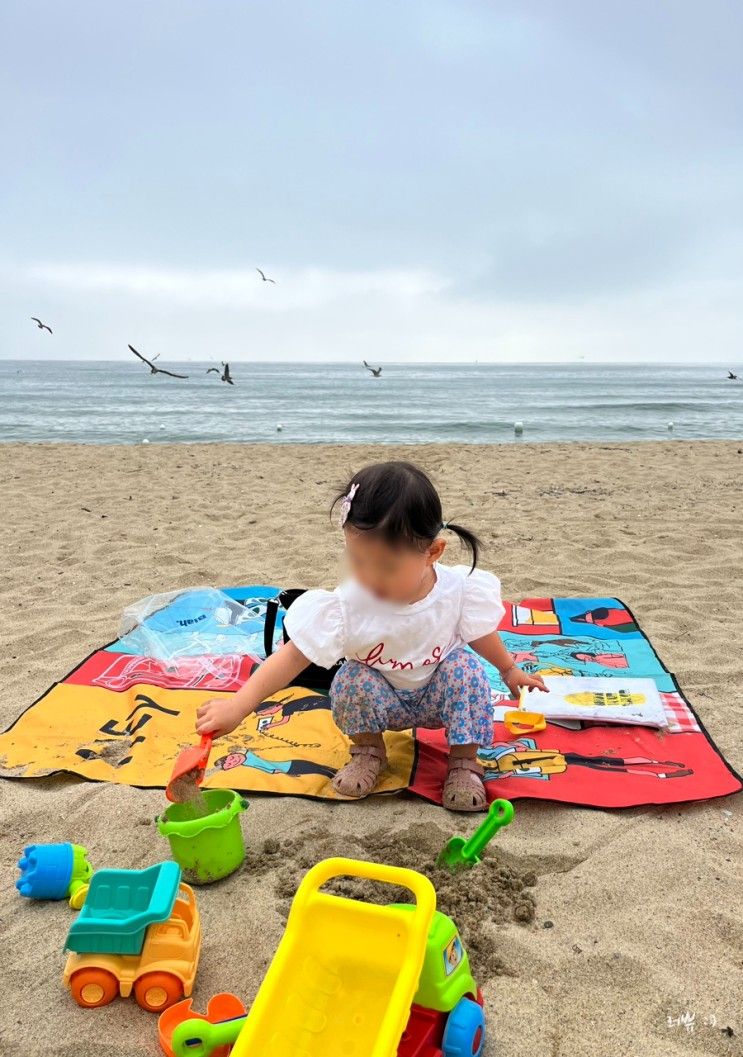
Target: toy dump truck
(139, 931)
(351, 977)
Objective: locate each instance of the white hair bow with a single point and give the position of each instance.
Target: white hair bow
(346, 504)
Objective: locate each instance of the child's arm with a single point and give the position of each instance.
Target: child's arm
(491, 647)
(221, 715)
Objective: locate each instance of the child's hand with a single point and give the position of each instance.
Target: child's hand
(219, 716)
(515, 679)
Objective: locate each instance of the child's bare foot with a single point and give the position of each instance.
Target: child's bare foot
(463, 788)
(359, 777)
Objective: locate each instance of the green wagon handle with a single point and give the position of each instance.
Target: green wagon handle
(199, 1038)
(461, 854)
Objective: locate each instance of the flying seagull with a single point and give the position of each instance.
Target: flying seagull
(265, 278)
(40, 325)
(376, 371)
(153, 368)
(225, 376)
(731, 377)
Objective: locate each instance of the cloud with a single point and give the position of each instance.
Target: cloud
(394, 314)
(296, 289)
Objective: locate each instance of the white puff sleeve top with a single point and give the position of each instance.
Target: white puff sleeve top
(404, 642)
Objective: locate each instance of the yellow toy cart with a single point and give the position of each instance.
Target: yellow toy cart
(346, 972)
(353, 979)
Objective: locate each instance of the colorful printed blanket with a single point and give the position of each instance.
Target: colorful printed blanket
(122, 716)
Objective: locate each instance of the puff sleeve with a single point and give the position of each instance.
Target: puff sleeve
(314, 623)
(482, 608)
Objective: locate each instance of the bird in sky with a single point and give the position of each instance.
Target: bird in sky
(225, 376)
(265, 277)
(376, 371)
(40, 325)
(732, 377)
(153, 368)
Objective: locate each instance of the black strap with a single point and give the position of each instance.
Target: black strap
(269, 625)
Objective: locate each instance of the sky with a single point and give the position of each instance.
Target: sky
(426, 180)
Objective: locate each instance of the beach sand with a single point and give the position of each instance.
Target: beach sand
(645, 905)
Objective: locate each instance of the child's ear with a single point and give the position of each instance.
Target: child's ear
(436, 550)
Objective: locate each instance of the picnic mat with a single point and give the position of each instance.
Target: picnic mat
(122, 716)
(599, 764)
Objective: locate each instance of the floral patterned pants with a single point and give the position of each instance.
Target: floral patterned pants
(457, 698)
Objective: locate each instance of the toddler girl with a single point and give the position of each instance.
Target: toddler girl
(401, 622)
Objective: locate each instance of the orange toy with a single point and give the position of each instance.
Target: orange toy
(160, 975)
(189, 766)
(518, 721)
(220, 1008)
(521, 721)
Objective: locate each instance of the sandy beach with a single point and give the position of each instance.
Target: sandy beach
(638, 918)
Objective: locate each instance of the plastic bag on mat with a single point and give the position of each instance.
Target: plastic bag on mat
(190, 623)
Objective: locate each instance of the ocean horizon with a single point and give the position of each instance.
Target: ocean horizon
(110, 402)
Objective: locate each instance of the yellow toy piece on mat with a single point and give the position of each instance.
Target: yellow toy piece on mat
(345, 973)
(519, 721)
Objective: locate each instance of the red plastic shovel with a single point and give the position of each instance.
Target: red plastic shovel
(191, 762)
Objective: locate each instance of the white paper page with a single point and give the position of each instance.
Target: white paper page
(607, 700)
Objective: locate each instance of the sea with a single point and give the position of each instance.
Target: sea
(342, 403)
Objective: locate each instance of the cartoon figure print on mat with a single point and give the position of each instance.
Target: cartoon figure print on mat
(560, 657)
(524, 759)
(606, 660)
(270, 715)
(292, 768)
(603, 617)
(280, 711)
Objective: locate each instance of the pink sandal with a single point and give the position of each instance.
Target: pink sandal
(359, 777)
(463, 788)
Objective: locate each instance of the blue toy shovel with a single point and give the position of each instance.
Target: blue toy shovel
(463, 854)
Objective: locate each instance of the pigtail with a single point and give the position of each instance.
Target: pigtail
(471, 543)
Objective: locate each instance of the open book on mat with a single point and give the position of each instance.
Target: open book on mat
(634, 702)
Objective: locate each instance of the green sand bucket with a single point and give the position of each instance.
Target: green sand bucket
(206, 847)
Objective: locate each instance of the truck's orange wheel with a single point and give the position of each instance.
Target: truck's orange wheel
(156, 991)
(93, 987)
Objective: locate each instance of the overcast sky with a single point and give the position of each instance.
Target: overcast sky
(425, 179)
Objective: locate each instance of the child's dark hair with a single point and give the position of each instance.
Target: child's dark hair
(397, 501)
